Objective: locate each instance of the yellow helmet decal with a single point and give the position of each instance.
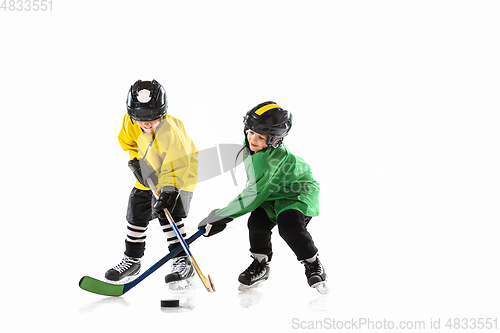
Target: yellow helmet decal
(265, 108)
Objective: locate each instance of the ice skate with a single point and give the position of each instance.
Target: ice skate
(181, 277)
(255, 274)
(316, 275)
(126, 270)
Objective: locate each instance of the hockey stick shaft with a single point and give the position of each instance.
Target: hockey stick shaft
(208, 283)
(110, 289)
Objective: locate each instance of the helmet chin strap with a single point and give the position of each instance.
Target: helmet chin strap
(162, 119)
(277, 143)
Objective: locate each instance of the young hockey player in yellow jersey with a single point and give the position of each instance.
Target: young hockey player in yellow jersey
(159, 148)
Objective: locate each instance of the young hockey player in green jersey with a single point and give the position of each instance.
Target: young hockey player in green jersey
(281, 191)
(159, 148)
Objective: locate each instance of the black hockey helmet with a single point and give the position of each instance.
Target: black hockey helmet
(154, 108)
(271, 120)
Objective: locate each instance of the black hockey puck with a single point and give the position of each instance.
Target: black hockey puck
(169, 303)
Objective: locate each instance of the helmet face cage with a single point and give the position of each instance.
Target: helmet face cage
(271, 120)
(153, 109)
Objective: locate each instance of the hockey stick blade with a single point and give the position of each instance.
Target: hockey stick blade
(109, 289)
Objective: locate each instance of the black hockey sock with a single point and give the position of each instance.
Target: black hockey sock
(135, 250)
(292, 228)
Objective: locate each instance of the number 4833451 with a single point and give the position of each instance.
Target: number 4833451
(26, 5)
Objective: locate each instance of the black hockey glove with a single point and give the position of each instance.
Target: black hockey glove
(142, 169)
(214, 224)
(166, 200)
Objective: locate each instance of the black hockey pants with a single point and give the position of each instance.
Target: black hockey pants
(292, 228)
(140, 212)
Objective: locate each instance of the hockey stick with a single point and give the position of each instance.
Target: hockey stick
(109, 289)
(208, 283)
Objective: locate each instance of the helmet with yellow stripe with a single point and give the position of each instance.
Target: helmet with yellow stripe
(271, 120)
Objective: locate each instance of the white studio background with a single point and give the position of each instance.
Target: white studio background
(395, 107)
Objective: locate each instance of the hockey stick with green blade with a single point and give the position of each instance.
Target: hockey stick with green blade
(109, 289)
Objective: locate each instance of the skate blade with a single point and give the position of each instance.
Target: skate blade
(125, 280)
(321, 287)
(244, 287)
(178, 286)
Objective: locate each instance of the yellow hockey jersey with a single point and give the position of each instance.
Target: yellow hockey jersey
(168, 150)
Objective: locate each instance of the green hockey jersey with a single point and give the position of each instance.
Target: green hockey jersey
(277, 180)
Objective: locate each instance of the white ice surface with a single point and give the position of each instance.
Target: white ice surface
(395, 107)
